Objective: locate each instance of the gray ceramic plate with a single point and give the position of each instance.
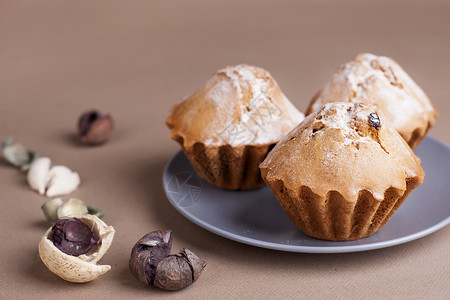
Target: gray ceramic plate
(256, 218)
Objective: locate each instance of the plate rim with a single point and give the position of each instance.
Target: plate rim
(298, 248)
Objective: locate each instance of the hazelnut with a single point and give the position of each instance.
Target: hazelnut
(72, 236)
(72, 247)
(94, 128)
(151, 262)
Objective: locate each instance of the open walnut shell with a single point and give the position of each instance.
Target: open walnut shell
(82, 268)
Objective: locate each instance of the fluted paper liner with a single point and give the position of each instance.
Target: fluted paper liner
(333, 218)
(234, 168)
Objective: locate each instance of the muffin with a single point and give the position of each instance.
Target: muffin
(343, 172)
(380, 80)
(228, 126)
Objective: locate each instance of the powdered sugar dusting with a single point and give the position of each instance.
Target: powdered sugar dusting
(380, 80)
(263, 118)
(245, 74)
(346, 118)
(239, 105)
(219, 89)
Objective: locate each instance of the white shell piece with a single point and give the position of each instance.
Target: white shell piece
(58, 180)
(37, 175)
(61, 181)
(81, 268)
(73, 207)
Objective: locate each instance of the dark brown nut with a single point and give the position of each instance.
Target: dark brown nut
(177, 271)
(147, 254)
(151, 263)
(72, 236)
(94, 128)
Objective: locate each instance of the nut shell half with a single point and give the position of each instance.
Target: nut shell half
(81, 268)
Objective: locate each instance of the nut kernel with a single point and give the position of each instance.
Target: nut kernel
(82, 268)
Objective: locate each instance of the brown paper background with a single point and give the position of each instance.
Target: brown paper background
(135, 59)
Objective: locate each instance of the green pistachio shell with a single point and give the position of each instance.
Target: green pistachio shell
(50, 209)
(95, 212)
(17, 154)
(32, 157)
(73, 207)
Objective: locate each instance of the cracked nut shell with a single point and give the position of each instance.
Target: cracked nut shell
(151, 262)
(73, 207)
(50, 209)
(177, 271)
(147, 254)
(82, 268)
(94, 128)
(17, 154)
(52, 181)
(55, 208)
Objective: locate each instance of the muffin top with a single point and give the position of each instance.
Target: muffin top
(345, 147)
(239, 105)
(380, 80)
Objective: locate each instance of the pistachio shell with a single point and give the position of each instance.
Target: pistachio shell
(50, 209)
(32, 157)
(7, 142)
(95, 211)
(73, 207)
(81, 268)
(58, 180)
(61, 181)
(37, 175)
(17, 154)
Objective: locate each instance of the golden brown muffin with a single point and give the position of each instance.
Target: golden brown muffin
(228, 126)
(343, 172)
(380, 80)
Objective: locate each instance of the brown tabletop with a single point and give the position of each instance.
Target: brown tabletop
(135, 59)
